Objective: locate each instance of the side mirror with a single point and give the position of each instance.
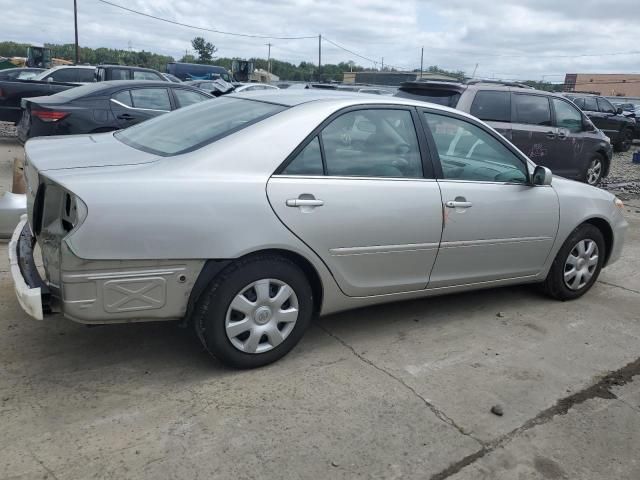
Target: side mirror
(619, 110)
(542, 176)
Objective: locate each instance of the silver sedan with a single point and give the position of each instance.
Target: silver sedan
(247, 215)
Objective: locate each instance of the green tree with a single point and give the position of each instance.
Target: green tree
(205, 49)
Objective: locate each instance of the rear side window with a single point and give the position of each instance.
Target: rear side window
(119, 74)
(492, 106)
(188, 129)
(307, 162)
(151, 98)
(123, 97)
(532, 110)
(448, 98)
(142, 75)
(590, 104)
(187, 97)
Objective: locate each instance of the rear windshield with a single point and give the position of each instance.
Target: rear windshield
(192, 127)
(448, 98)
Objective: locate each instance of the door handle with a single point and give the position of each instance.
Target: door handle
(551, 134)
(304, 202)
(125, 116)
(562, 135)
(458, 204)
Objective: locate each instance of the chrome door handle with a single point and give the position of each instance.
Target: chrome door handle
(304, 202)
(455, 204)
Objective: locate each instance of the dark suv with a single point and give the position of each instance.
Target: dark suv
(618, 127)
(547, 127)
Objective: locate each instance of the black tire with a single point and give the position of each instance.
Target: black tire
(592, 174)
(555, 285)
(625, 141)
(211, 309)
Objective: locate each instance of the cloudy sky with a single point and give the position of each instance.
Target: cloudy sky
(523, 39)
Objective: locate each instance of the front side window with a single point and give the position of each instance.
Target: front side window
(605, 106)
(187, 97)
(188, 129)
(86, 75)
(307, 162)
(492, 106)
(567, 116)
(64, 75)
(151, 98)
(119, 74)
(532, 109)
(469, 153)
(590, 104)
(372, 143)
(123, 97)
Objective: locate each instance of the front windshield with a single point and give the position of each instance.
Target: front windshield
(192, 127)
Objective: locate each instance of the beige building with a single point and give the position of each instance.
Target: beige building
(608, 84)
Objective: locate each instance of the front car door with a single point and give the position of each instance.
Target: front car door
(497, 225)
(360, 193)
(608, 113)
(139, 104)
(532, 129)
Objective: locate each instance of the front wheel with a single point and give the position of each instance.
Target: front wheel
(626, 140)
(255, 311)
(595, 170)
(577, 264)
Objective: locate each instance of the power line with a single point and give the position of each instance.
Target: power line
(246, 35)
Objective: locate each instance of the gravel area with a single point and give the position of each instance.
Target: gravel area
(624, 175)
(7, 129)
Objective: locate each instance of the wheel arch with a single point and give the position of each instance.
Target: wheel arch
(607, 232)
(605, 160)
(212, 268)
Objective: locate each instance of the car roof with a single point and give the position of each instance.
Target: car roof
(58, 67)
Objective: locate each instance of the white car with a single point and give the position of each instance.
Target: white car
(254, 87)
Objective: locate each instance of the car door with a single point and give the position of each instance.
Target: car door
(532, 129)
(139, 104)
(367, 206)
(496, 224)
(574, 155)
(609, 119)
(589, 106)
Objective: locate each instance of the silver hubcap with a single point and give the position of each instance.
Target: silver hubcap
(581, 264)
(594, 171)
(261, 316)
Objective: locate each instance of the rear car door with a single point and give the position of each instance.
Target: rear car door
(139, 104)
(360, 193)
(494, 107)
(533, 131)
(496, 224)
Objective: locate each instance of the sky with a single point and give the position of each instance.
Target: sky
(517, 40)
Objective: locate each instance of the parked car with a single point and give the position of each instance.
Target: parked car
(196, 71)
(254, 87)
(375, 91)
(48, 82)
(25, 73)
(607, 118)
(63, 78)
(103, 107)
(631, 110)
(249, 214)
(547, 127)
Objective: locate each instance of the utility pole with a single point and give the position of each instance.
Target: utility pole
(474, 71)
(269, 60)
(319, 57)
(421, 61)
(382, 69)
(75, 22)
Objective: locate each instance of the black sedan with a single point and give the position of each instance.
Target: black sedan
(103, 107)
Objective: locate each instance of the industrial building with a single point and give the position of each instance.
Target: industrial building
(608, 84)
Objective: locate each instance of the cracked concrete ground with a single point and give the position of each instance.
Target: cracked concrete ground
(396, 391)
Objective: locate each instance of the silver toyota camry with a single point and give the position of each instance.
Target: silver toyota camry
(247, 215)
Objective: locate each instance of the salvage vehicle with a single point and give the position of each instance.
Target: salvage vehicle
(197, 71)
(63, 78)
(216, 87)
(607, 118)
(547, 127)
(103, 107)
(247, 215)
(22, 73)
(50, 81)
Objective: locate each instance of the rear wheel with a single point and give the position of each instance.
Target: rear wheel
(577, 264)
(626, 140)
(255, 311)
(595, 170)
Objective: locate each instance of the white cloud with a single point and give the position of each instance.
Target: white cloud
(509, 39)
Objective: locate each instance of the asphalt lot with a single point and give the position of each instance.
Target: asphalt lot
(397, 391)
